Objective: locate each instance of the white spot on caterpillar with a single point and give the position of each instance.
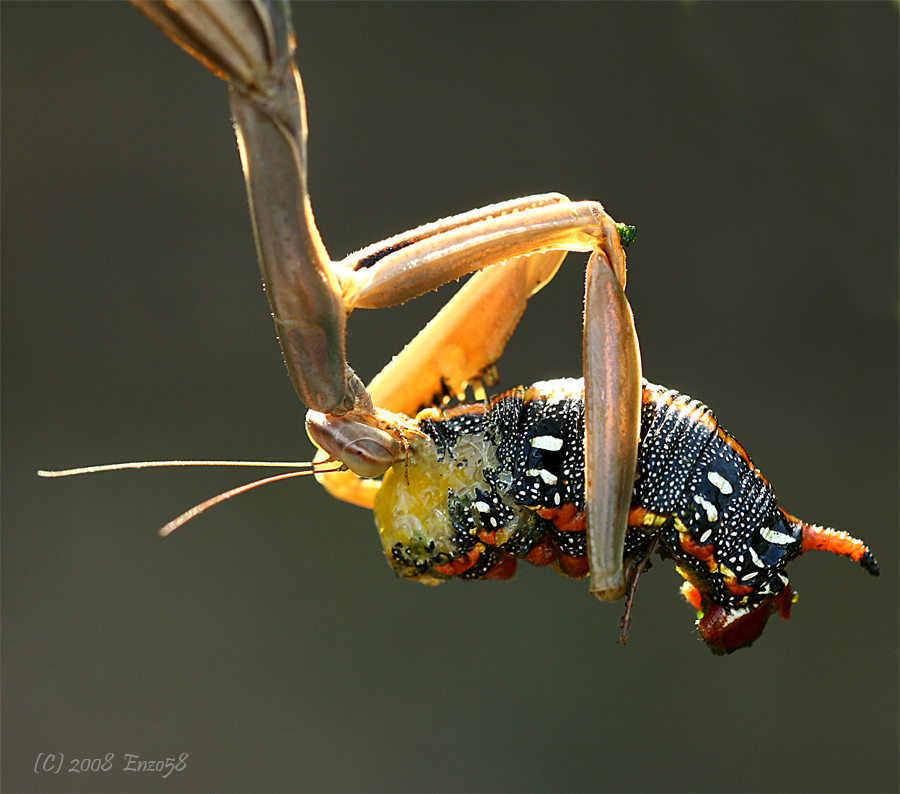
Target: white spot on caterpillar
(705, 536)
(545, 475)
(748, 576)
(482, 507)
(712, 515)
(550, 443)
(720, 482)
(777, 538)
(755, 557)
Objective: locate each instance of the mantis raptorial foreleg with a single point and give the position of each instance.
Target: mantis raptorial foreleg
(250, 44)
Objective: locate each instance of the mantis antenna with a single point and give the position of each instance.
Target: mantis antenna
(311, 467)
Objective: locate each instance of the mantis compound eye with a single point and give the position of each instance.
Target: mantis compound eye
(365, 450)
(367, 457)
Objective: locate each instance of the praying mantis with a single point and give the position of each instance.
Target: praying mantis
(514, 248)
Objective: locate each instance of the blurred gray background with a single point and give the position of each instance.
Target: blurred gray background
(755, 146)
